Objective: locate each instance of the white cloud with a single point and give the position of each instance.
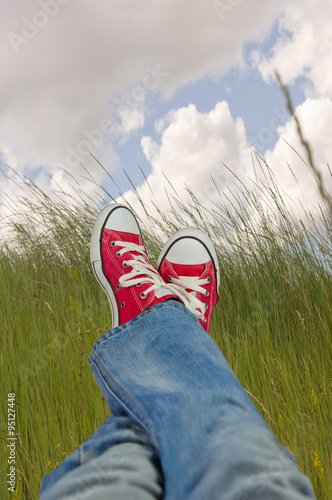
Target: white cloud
(82, 79)
(131, 120)
(193, 146)
(66, 62)
(315, 116)
(303, 47)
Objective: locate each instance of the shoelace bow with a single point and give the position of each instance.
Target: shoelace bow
(194, 284)
(143, 272)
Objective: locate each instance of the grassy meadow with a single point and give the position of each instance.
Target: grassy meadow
(273, 323)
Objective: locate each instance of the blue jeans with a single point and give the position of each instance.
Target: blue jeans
(182, 427)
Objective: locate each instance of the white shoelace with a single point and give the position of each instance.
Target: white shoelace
(195, 284)
(142, 272)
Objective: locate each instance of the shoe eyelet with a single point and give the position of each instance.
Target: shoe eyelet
(209, 279)
(169, 278)
(204, 321)
(124, 264)
(206, 306)
(112, 244)
(139, 284)
(122, 304)
(143, 295)
(117, 254)
(206, 293)
(118, 287)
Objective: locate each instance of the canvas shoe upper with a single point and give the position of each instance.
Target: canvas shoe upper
(121, 266)
(189, 262)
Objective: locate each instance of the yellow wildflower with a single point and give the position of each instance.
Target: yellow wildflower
(72, 273)
(72, 303)
(318, 464)
(314, 397)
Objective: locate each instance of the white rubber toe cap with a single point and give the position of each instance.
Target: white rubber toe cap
(188, 251)
(115, 217)
(122, 219)
(190, 246)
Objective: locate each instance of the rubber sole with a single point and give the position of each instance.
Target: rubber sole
(97, 260)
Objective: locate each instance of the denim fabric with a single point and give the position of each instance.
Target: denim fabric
(117, 461)
(182, 404)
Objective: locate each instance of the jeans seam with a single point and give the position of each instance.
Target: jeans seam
(143, 422)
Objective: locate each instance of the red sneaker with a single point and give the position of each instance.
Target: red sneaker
(121, 265)
(189, 262)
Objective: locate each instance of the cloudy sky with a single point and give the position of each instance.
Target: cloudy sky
(178, 88)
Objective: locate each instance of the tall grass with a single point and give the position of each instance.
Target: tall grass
(273, 321)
